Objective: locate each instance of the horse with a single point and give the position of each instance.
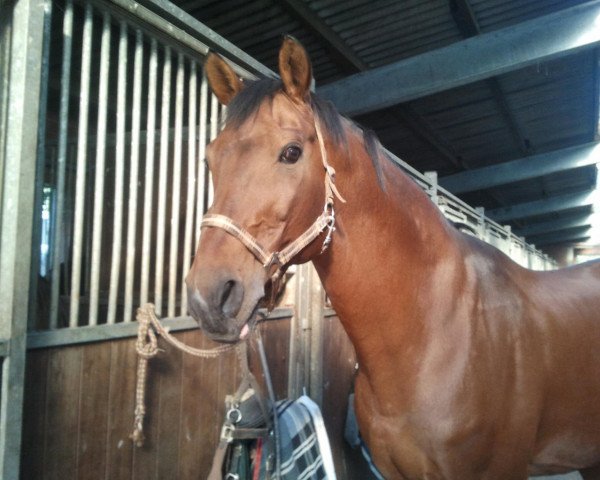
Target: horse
(471, 366)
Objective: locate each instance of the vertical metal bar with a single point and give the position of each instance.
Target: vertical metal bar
(133, 173)
(200, 184)
(88, 225)
(176, 187)
(99, 178)
(162, 181)
(62, 160)
(68, 211)
(115, 266)
(149, 173)
(191, 183)
(39, 169)
(82, 147)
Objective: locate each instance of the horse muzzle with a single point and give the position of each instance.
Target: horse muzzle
(222, 309)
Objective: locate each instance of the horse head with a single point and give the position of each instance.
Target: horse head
(268, 176)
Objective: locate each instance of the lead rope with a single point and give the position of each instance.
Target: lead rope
(146, 346)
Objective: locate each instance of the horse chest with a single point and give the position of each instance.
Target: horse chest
(430, 432)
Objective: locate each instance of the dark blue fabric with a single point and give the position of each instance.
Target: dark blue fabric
(300, 455)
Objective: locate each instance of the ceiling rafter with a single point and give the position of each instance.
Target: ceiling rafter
(544, 206)
(556, 225)
(525, 168)
(467, 24)
(570, 236)
(490, 54)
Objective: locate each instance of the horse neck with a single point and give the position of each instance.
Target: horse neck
(388, 244)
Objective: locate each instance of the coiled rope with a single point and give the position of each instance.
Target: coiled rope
(146, 346)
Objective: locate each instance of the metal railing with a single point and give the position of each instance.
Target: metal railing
(122, 164)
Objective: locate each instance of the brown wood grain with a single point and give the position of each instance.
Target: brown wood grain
(94, 406)
(62, 413)
(34, 408)
(123, 361)
(192, 439)
(79, 404)
(169, 365)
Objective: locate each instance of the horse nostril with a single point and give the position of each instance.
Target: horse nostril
(230, 302)
(227, 287)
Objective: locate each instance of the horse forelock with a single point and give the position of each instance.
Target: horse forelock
(255, 92)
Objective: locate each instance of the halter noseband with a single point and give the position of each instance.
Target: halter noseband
(279, 259)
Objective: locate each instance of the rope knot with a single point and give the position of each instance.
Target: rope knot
(146, 344)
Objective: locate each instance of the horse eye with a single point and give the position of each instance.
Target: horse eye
(290, 154)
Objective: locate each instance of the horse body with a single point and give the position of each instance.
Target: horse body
(471, 367)
(469, 362)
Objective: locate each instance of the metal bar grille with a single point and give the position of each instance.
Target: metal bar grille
(99, 175)
(123, 174)
(149, 176)
(133, 175)
(82, 145)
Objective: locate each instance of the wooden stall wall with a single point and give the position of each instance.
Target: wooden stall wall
(79, 403)
(80, 400)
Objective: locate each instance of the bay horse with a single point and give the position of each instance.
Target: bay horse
(471, 367)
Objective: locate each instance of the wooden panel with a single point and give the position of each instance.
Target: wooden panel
(34, 409)
(339, 360)
(80, 403)
(169, 410)
(123, 362)
(275, 336)
(62, 413)
(94, 405)
(193, 410)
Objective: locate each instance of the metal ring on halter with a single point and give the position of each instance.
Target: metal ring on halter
(234, 415)
(273, 260)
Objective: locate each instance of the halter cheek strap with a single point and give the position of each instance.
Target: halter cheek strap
(275, 261)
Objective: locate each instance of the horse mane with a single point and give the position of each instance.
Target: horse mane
(247, 102)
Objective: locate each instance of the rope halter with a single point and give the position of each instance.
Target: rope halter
(276, 261)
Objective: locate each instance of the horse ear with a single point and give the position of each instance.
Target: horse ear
(223, 81)
(295, 69)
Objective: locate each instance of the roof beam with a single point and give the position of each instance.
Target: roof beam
(468, 61)
(544, 206)
(577, 235)
(557, 225)
(523, 168)
(467, 23)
